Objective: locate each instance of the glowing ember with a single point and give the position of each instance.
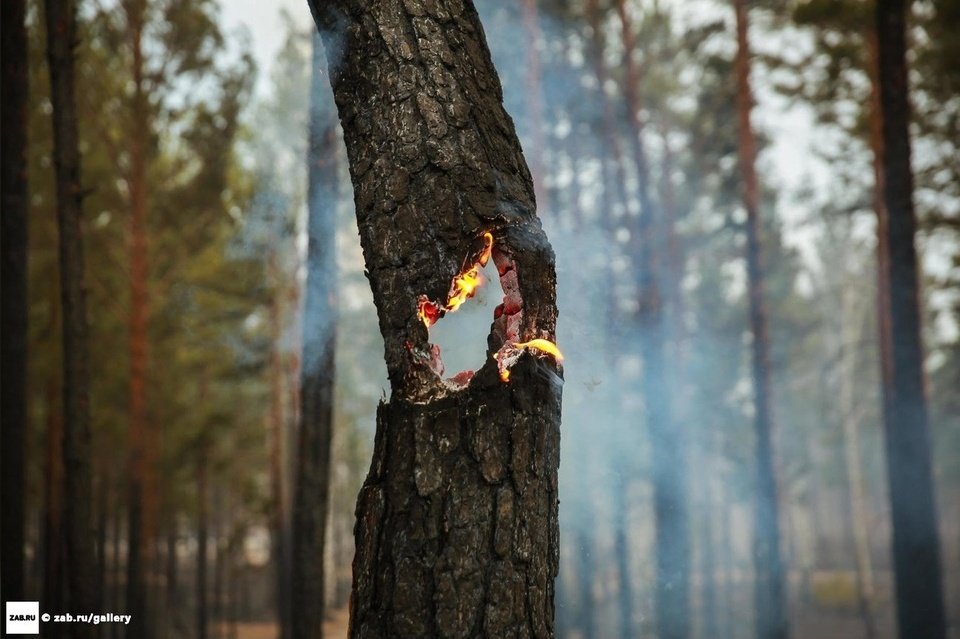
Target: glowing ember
(463, 287)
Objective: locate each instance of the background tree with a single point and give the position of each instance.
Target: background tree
(311, 505)
(916, 544)
(76, 447)
(769, 574)
(13, 248)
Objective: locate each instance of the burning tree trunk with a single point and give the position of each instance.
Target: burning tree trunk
(457, 531)
(312, 498)
(669, 474)
(78, 529)
(916, 544)
(769, 593)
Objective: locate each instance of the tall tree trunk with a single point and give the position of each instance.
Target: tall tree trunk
(79, 562)
(103, 503)
(916, 543)
(277, 437)
(612, 167)
(769, 587)
(13, 266)
(856, 491)
(142, 506)
(669, 471)
(52, 595)
(216, 607)
(173, 603)
(202, 543)
(531, 28)
(312, 497)
(457, 530)
(116, 569)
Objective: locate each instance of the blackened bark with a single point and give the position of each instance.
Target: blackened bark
(769, 592)
(311, 498)
(79, 563)
(672, 598)
(13, 326)
(916, 544)
(456, 531)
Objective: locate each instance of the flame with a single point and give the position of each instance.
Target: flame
(487, 249)
(544, 346)
(509, 353)
(463, 287)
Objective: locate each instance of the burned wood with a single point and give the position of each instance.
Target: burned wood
(463, 482)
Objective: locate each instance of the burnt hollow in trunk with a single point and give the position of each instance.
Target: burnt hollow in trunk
(457, 532)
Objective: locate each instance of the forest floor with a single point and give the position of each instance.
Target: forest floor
(335, 627)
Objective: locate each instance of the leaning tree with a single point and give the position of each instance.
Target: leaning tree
(456, 532)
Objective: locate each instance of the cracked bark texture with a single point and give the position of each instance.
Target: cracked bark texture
(457, 532)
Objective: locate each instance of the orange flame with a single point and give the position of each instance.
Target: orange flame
(463, 287)
(509, 352)
(544, 346)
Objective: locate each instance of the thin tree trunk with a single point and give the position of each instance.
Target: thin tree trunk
(769, 586)
(457, 531)
(531, 28)
(116, 569)
(612, 165)
(708, 563)
(202, 544)
(53, 514)
(318, 373)
(142, 503)
(916, 543)
(13, 326)
(216, 608)
(78, 525)
(729, 628)
(275, 425)
(103, 502)
(672, 543)
(586, 576)
(856, 491)
(173, 603)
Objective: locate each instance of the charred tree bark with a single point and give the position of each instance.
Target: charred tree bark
(312, 498)
(13, 329)
(672, 598)
(916, 544)
(79, 534)
(457, 532)
(769, 587)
